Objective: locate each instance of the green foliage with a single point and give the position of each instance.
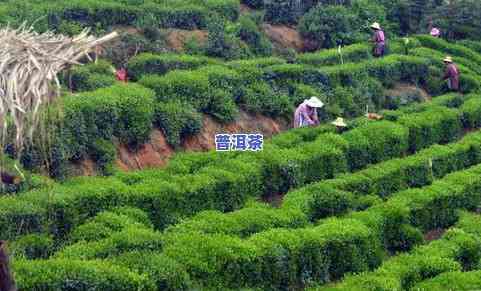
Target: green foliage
(458, 19)
(459, 280)
(329, 26)
(260, 97)
(350, 54)
(117, 243)
(105, 14)
(221, 44)
(165, 272)
(147, 63)
(177, 119)
(124, 111)
(188, 86)
(333, 25)
(90, 77)
(471, 110)
(249, 32)
(62, 274)
(375, 142)
(33, 246)
(244, 222)
(104, 154)
(436, 125)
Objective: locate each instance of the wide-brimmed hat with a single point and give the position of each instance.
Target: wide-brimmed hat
(339, 122)
(435, 32)
(448, 59)
(314, 102)
(376, 25)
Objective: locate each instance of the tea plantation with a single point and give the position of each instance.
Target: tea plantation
(389, 204)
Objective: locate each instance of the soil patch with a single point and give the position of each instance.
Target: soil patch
(284, 36)
(434, 234)
(245, 9)
(274, 200)
(157, 152)
(177, 38)
(408, 89)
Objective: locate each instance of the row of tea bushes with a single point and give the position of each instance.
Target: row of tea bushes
(345, 193)
(306, 251)
(282, 258)
(455, 280)
(107, 13)
(37, 245)
(318, 200)
(223, 186)
(459, 249)
(256, 86)
(160, 64)
(348, 192)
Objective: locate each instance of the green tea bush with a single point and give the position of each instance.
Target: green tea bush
(244, 222)
(249, 32)
(449, 280)
(33, 246)
(187, 86)
(287, 168)
(106, 223)
(19, 217)
(389, 70)
(104, 154)
(436, 125)
(132, 237)
(471, 110)
(165, 272)
(224, 78)
(62, 274)
(350, 54)
(260, 97)
(258, 63)
(328, 202)
(376, 142)
(91, 76)
(124, 111)
(148, 63)
(395, 175)
(434, 259)
(329, 25)
(297, 73)
(473, 45)
(105, 14)
(449, 48)
(177, 119)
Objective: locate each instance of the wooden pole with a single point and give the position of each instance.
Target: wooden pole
(6, 279)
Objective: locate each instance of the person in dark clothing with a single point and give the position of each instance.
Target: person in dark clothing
(6, 279)
(451, 74)
(379, 40)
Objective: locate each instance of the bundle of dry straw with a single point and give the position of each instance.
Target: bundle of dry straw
(29, 64)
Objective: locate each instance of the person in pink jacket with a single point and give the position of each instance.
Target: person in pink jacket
(306, 113)
(435, 32)
(379, 40)
(451, 74)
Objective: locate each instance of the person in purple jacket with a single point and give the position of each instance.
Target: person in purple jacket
(306, 113)
(451, 74)
(379, 40)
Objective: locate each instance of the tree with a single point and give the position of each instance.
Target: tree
(459, 19)
(329, 25)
